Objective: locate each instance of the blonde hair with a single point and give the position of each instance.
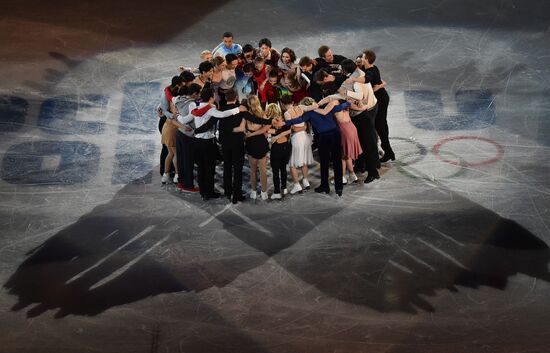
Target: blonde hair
(273, 111)
(293, 79)
(255, 106)
(307, 101)
(204, 53)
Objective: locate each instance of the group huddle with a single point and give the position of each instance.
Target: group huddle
(257, 101)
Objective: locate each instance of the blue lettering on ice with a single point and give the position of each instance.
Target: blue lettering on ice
(138, 113)
(58, 114)
(133, 162)
(475, 109)
(50, 163)
(12, 113)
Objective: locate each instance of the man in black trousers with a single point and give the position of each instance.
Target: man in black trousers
(232, 142)
(185, 143)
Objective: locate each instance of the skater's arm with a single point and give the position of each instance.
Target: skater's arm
(241, 127)
(302, 119)
(341, 107)
(261, 131)
(380, 86)
(282, 134)
(327, 109)
(214, 112)
(308, 108)
(256, 120)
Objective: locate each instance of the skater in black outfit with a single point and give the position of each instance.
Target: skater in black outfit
(372, 76)
(280, 151)
(232, 140)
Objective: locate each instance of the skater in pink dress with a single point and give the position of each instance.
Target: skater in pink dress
(351, 148)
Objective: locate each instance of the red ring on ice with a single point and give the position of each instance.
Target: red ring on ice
(500, 151)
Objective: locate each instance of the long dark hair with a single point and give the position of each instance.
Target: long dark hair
(290, 53)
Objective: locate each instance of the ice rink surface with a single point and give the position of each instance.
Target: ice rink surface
(447, 252)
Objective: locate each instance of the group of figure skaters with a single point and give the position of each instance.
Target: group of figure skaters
(259, 102)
